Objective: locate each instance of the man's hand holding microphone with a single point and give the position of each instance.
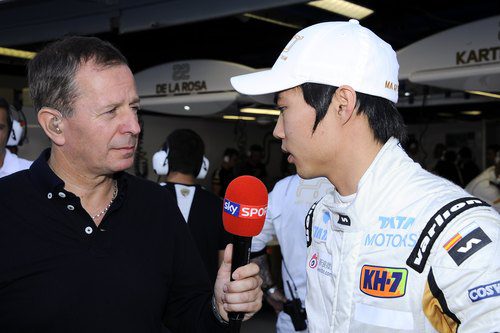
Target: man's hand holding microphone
(238, 294)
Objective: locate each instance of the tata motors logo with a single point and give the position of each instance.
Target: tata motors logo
(484, 291)
(313, 263)
(394, 233)
(244, 211)
(383, 282)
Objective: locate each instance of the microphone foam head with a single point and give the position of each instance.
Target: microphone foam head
(245, 206)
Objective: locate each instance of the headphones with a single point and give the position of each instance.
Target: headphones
(160, 164)
(17, 133)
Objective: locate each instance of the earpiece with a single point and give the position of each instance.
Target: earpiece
(160, 162)
(203, 169)
(54, 125)
(16, 134)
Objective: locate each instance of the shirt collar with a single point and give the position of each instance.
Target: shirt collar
(49, 182)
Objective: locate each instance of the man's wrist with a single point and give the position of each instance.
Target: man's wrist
(216, 312)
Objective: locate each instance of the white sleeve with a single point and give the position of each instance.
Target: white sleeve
(274, 205)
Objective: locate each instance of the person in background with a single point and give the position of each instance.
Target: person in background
(9, 162)
(289, 202)
(487, 184)
(491, 152)
(223, 175)
(393, 248)
(447, 167)
(86, 247)
(253, 165)
(467, 168)
(182, 161)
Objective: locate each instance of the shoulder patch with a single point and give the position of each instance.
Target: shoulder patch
(464, 246)
(420, 254)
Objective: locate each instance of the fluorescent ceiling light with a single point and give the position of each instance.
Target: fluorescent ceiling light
(261, 111)
(445, 114)
(472, 113)
(270, 20)
(238, 117)
(17, 53)
(343, 7)
(483, 93)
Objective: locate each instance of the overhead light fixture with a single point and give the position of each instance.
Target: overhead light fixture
(187, 107)
(445, 114)
(343, 7)
(270, 112)
(273, 21)
(472, 113)
(483, 93)
(17, 53)
(238, 118)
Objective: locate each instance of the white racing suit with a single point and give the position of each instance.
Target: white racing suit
(410, 253)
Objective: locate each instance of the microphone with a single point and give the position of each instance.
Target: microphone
(243, 215)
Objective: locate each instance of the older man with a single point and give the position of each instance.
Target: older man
(393, 248)
(86, 247)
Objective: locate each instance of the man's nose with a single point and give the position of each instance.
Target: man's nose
(278, 131)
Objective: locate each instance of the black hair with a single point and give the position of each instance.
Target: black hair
(185, 151)
(5, 105)
(230, 152)
(383, 116)
(51, 74)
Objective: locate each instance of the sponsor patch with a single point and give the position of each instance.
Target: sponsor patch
(485, 291)
(344, 220)
(462, 247)
(418, 257)
(313, 263)
(395, 233)
(383, 282)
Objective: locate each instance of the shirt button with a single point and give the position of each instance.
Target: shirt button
(70, 207)
(49, 195)
(62, 195)
(88, 230)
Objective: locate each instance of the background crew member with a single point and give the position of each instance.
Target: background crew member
(393, 248)
(225, 173)
(487, 184)
(182, 160)
(86, 247)
(289, 202)
(9, 162)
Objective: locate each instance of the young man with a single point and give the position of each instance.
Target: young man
(182, 162)
(9, 163)
(400, 250)
(86, 247)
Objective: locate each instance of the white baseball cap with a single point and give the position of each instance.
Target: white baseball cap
(332, 53)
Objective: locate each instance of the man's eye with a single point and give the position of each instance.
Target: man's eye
(112, 111)
(281, 108)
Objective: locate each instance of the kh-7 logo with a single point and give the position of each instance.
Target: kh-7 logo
(384, 282)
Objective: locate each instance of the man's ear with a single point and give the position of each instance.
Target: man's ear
(51, 122)
(344, 103)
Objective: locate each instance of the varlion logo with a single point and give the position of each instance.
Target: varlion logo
(437, 223)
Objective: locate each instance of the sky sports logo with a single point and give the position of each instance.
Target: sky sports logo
(244, 211)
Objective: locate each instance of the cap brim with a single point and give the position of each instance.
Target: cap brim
(264, 82)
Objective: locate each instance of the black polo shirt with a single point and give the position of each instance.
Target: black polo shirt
(61, 273)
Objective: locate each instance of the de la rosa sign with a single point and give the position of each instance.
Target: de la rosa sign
(188, 77)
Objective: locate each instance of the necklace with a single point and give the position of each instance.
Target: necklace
(115, 192)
